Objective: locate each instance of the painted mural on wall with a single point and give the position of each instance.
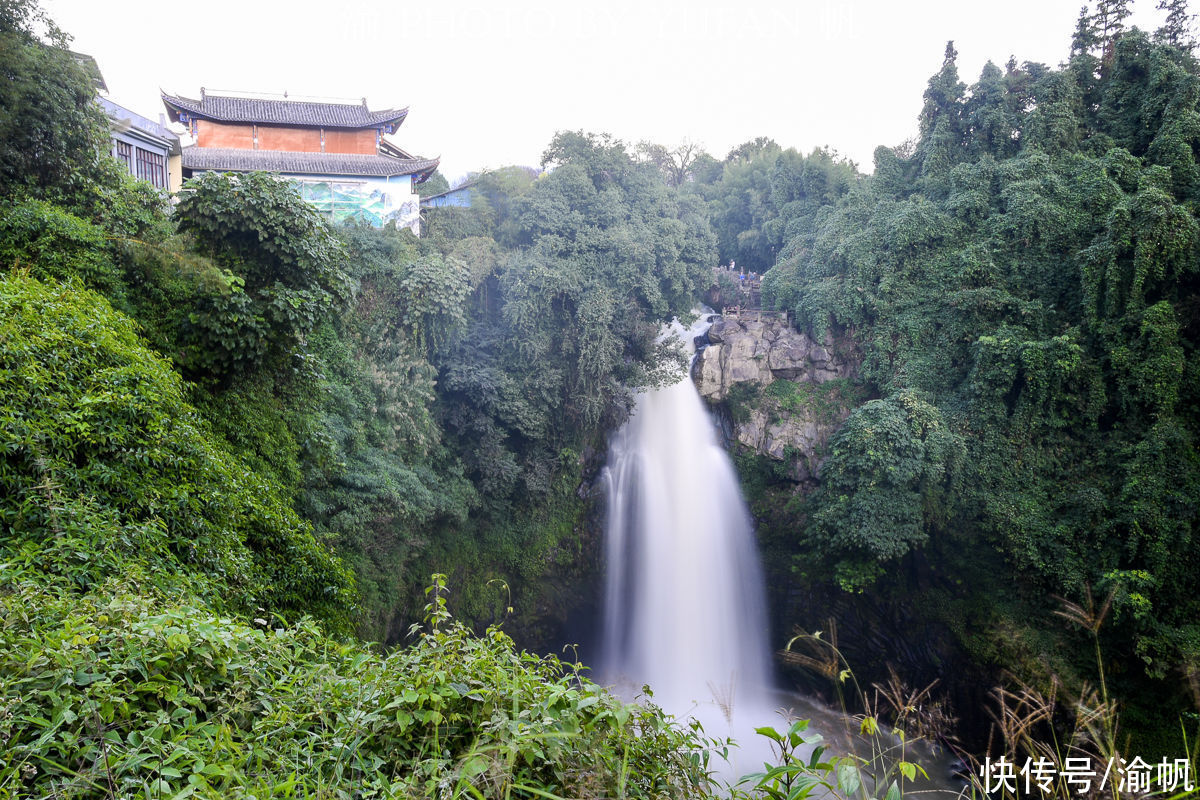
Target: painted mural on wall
(362, 202)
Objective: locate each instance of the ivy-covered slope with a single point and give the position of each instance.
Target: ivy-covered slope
(108, 471)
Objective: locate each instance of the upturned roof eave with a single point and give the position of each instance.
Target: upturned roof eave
(177, 104)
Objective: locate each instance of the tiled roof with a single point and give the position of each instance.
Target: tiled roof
(230, 160)
(284, 112)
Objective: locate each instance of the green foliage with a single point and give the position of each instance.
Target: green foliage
(1149, 367)
(284, 272)
(824, 401)
(132, 211)
(154, 571)
(376, 479)
(525, 544)
(941, 124)
(491, 213)
(107, 470)
(129, 693)
(742, 399)
(1022, 284)
(566, 294)
(796, 777)
(681, 164)
(386, 490)
(435, 184)
(52, 133)
(765, 195)
(887, 482)
(604, 253)
(56, 245)
(433, 291)
(269, 429)
(803, 770)
(1176, 29)
(451, 223)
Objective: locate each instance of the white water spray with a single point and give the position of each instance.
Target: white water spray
(684, 610)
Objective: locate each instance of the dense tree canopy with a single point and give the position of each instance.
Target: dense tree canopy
(106, 466)
(1025, 286)
(602, 253)
(51, 132)
(761, 195)
(283, 272)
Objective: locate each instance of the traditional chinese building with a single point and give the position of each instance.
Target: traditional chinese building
(335, 151)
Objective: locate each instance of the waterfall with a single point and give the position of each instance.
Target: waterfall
(684, 608)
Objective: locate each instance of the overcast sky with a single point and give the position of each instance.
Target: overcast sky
(488, 83)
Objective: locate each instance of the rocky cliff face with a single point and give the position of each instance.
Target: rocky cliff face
(788, 393)
(750, 349)
(782, 396)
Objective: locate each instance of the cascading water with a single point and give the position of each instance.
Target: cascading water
(684, 606)
(685, 610)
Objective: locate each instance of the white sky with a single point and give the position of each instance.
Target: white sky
(488, 83)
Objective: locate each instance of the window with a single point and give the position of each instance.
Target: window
(124, 154)
(152, 167)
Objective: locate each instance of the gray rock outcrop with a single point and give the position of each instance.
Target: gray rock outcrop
(792, 423)
(762, 351)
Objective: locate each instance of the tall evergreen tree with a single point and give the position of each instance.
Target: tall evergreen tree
(989, 124)
(1084, 64)
(1085, 39)
(944, 93)
(1176, 30)
(1027, 325)
(941, 122)
(1109, 24)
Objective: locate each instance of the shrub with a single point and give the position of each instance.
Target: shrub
(122, 693)
(285, 272)
(105, 469)
(54, 244)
